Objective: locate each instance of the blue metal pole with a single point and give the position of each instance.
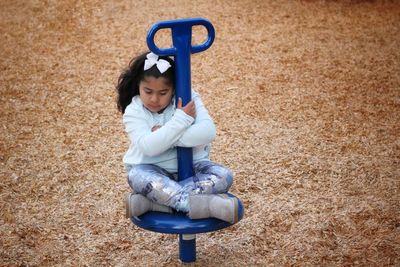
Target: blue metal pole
(182, 39)
(187, 248)
(181, 50)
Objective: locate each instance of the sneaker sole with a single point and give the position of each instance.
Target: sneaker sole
(127, 204)
(236, 206)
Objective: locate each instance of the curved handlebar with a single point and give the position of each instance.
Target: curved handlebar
(181, 28)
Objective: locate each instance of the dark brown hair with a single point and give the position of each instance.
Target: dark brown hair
(128, 81)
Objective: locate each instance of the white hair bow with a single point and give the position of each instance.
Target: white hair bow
(162, 64)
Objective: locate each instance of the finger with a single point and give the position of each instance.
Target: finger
(179, 103)
(190, 104)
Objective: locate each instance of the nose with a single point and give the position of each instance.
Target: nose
(154, 98)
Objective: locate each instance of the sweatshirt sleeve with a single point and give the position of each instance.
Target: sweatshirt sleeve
(154, 143)
(202, 131)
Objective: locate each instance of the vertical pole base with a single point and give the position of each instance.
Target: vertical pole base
(187, 248)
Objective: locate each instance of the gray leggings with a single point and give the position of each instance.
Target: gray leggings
(160, 186)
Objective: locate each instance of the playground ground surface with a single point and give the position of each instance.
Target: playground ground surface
(306, 99)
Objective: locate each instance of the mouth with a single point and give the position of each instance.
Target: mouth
(153, 107)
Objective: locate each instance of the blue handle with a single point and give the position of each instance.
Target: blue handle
(181, 49)
(181, 34)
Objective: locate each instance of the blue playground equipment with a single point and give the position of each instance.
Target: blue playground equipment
(179, 223)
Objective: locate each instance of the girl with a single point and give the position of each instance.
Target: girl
(155, 128)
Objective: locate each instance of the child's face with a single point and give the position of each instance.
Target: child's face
(155, 93)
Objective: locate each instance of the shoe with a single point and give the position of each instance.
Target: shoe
(136, 205)
(219, 206)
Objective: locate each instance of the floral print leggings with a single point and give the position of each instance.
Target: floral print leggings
(160, 186)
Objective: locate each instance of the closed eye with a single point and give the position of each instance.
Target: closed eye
(164, 92)
(148, 91)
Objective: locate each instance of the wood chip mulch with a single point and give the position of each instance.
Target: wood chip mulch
(306, 98)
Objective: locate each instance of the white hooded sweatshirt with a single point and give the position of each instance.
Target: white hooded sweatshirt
(177, 129)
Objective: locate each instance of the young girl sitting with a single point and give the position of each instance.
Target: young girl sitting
(156, 126)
